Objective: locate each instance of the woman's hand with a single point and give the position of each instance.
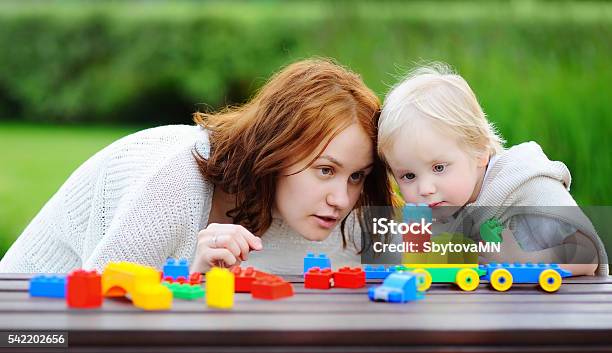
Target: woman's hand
(223, 245)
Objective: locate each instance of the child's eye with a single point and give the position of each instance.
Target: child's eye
(357, 177)
(408, 176)
(439, 168)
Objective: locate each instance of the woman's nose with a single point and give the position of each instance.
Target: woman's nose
(338, 196)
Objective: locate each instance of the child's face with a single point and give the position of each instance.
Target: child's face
(314, 201)
(431, 167)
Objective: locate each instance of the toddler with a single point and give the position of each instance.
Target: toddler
(442, 151)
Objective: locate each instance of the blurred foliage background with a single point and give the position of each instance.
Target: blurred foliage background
(75, 76)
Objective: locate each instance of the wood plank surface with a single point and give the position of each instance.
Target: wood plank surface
(578, 317)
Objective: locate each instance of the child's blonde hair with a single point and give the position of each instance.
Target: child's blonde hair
(436, 94)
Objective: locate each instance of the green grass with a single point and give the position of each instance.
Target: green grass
(541, 70)
(35, 161)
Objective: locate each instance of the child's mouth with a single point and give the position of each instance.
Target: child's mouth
(436, 204)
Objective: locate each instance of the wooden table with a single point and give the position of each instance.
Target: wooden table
(577, 318)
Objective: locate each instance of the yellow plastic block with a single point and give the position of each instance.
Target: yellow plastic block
(220, 288)
(143, 283)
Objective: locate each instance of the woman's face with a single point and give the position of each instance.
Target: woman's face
(314, 201)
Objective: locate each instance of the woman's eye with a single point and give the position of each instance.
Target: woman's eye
(408, 176)
(357, 177)
(439, 168)
(326, 171)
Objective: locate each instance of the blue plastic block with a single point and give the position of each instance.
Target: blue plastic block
(415, 212)
(176, 269)
(399, 287)
(321, 261)
(523, 272)
(376, 272)
(48, 286)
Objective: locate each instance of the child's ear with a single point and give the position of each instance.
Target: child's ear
(482, 160)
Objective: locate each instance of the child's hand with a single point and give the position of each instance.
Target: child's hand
(223, 245)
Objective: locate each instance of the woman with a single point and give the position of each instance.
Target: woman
(278, 174)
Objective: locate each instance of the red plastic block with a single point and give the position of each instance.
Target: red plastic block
(179, 279)
(195, 278)
(244, 277)
(316, 278)
(347, 277)
(84, 289)
(271, 288)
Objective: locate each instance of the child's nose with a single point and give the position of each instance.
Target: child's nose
(426, 188)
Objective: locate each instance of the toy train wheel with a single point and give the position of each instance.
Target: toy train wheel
(550, 280)
(423, 279)
(467, 279)
(501, 280)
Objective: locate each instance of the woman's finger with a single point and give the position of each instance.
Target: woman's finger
(228, 242)
(221, 258)
(253, 241)
(244, 247)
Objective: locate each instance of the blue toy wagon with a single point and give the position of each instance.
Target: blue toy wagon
(502, 276)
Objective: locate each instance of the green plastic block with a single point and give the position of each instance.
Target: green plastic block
(185, 291)
(490, 231)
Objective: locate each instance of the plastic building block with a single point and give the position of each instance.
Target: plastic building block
(220, 288)
(320, 261)
(398, 287)
(48, 286)
(141, 282)
(347, 277)
(317, 278)
(502, 276)
(84, 289)
(490, 231)
(271, 288)
(416, 212)
(377, 272)
(176, 268)
(185, 290)
(194, 278)
(466, 276)
(179, 279)
(244, 278)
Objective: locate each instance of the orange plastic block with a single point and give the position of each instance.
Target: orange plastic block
(271, 288)
(84, 289)
(347, 277)
(317, 278)
(141, 282)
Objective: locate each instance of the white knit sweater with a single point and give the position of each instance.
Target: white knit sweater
(524, 181)
(143, 199)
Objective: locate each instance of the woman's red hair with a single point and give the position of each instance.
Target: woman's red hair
(303, 105)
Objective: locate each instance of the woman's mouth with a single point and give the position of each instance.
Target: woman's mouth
(326, 222)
